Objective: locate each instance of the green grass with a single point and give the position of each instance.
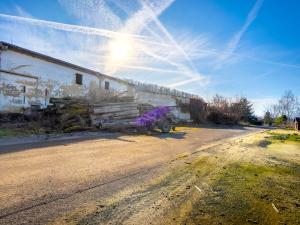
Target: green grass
(14, 133)
(244, 193)
(286, 137)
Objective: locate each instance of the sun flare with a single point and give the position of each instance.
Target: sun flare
(120, 50)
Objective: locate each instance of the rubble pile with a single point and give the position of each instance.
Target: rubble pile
(77, 114)
(16, 122)
(73, 114)
(67, 114)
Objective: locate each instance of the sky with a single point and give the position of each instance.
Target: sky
(234, 48)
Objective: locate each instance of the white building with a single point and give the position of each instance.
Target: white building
(29, 78)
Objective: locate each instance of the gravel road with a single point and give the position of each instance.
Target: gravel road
(41, 181)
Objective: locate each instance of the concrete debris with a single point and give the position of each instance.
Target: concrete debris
(70, 114)
(67, 114)
(78, 114)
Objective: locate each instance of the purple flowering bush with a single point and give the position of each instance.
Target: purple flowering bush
(149, 118)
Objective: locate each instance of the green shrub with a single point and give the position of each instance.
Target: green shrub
(281, 120)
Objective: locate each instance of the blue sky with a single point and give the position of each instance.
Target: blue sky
(230, 47)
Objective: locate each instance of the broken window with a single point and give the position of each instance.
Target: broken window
(24, 91)
(79, 78)
(46, 95)
(106, 85)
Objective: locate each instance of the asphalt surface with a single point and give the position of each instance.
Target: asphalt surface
(40, 181)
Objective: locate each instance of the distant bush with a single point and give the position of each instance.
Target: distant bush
(268, 120)
(219, 117)
(227, 111)
(255, 121)
(215, 117)
(198, 109)
(281, 120)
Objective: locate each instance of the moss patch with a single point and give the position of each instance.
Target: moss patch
(287, 137)
(244, 193)
(284, 135)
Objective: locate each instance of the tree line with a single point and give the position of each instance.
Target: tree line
(224, 110)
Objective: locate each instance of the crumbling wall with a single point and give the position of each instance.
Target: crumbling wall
(43, 80)
(16, 91)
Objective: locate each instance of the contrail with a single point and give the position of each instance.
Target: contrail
(147, 68)
(295, 66)
(150, 13)
(69, 27)
(171, 39)
(139, 20)
(237, 37)
(180, 83)
(85, 30)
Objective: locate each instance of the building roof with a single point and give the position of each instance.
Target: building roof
(5, 46)
(297, 119)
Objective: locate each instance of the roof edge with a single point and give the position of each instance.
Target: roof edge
(5, 46)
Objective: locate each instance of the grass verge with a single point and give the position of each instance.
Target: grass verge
(14, 133)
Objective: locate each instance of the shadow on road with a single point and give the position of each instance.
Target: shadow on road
(65, 139)
(51, 142)
(177, 135)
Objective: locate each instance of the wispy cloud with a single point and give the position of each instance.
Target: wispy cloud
(21, 12)
(235, 40)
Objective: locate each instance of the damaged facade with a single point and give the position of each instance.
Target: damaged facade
(29, 79)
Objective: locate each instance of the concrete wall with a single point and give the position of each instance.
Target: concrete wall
(44, 80)
(156, 99)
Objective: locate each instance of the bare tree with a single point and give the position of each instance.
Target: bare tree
(275, 110)
(288, 105)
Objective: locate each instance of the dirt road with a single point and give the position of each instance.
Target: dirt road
(252, 179)
(40, 182)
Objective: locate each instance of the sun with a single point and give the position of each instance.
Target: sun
(120, 50)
